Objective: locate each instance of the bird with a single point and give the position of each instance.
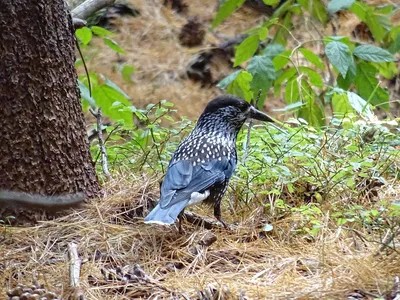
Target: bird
(204, 162)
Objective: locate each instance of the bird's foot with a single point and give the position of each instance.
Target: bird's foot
(223, 223)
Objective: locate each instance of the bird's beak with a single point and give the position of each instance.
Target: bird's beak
(258, 115)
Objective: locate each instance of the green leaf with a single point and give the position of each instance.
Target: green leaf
(311, 112)
(336, 5)
(84, 34)
(246, 49)
(226, 10)
(292, 91)
(241, 86)
(367, 86)
(315, 78)
(374, 25)
(312, 57)
(273, 50)
(282, 33)
(101, 32)
(346, 82)
(291, 107)
(373, 53)
(228, 79)
(107, 97)
(338, 54)
(263, 72)
(360, 105)
(263, 33)
(395, 47)
(285, 75)
(387, 69)
(113, 45)
(281, 60)
(341, 106)
(316, 8)
(271, 2)
(85, 94)
(127, 71)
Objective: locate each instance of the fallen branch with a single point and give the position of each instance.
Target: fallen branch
(74, 270)
(89, 7)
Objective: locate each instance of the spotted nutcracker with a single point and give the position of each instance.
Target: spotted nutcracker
(204, 162)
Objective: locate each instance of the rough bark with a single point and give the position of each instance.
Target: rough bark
(44, 147)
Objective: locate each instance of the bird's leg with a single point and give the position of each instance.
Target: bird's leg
(217, 214)
(180, 219)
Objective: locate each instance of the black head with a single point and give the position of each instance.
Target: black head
(234, 109)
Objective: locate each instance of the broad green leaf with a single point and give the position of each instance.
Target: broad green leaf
(359, 9)
(226, 10)
(273, 50)
(316, 8)
(315, 78)
(85, 94)
(240, 86)
(263, 33)
(246, 49)
(336, 5)
(282, 9)
(127, 71)
(111, 84)
(84, 34)
(376, 28)
(346, 82)
(281, 60)
(263, 72)
(395, 47)
(292, 91)
(341, 106)
(387, 69)
(271, 2)
(282, 33)
(338, 54)
(311, 112)
(101, 32)
(106, 97)
(312, 57)
(360, 105)
(367, 86)
(113, 45)
(285, 75)
(228, 79)
(373, 53)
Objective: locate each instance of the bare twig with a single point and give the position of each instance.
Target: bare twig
(89, 7)
(104, 160)
(387, 240)
(246, 151)
(78, 23)
(74, 270)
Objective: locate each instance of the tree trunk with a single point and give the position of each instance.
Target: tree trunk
(44, 147)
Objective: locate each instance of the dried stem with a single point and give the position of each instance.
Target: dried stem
(89, 7)
(104, 160)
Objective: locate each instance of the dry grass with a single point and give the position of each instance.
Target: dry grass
(110, 233)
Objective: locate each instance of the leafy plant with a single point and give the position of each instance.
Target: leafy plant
(352, 89)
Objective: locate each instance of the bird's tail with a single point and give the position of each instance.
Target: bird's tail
(165, 216)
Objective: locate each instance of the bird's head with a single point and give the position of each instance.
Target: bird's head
(229, 112)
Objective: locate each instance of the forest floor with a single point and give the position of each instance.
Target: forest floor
(123, 258)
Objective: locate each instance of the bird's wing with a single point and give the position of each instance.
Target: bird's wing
(182, 179)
